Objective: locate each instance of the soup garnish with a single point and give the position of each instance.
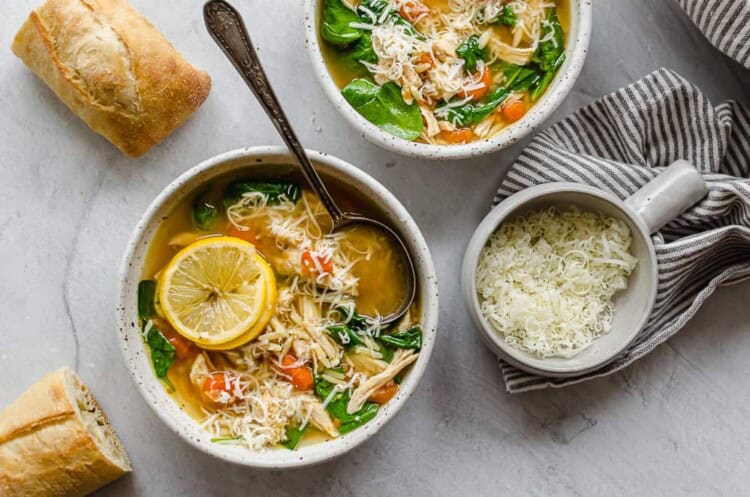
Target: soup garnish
(443, 72)
(546, 280)
(265, 327)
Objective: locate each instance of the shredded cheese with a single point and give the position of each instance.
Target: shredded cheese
(546, 281)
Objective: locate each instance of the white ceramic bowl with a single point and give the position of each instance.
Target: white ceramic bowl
(266, 161)
(576, 50)
(659, 201)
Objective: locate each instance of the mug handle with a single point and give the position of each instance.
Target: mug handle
(672, 192)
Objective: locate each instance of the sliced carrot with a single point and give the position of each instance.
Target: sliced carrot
(485, 78)
(246, 235)
(219, 387)
(413, 10)
(460, 135)
(426, 59)
(183, 348)
(301, 376)
(314, 264)
(384, 393)
(513, 111)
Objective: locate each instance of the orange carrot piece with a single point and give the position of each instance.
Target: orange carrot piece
(513, 111)
(301, 376)
(384, 393)
(183, 348)
(460, 135)
(486, 80)
(219, 387)
(412, 10)
(316, 264)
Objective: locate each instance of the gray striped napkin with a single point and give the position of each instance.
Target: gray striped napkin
(726, 24)
(622, 141)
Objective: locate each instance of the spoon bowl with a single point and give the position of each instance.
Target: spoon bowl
(228, 30)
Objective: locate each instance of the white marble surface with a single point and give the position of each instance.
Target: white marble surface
(675, 423)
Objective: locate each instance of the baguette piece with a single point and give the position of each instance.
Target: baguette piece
(113, 69)
(55, 441)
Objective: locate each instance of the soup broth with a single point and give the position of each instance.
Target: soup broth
(464, 69)
(322, 364)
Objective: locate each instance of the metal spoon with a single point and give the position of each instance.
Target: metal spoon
(228, 31)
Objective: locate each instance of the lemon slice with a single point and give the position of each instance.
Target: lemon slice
(215, 290)
(260, 325)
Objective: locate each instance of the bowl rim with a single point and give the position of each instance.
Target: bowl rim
(489, 225)
(539, 113)
(164, 405)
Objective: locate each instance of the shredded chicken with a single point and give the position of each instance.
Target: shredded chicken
(401, 359)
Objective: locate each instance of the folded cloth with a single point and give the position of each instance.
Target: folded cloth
(726, 24)
(618, 144)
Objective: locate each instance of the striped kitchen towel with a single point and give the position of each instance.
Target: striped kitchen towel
(726, 24)
(622, 141)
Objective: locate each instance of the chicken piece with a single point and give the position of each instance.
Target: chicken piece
(401, 359)
(200, 369)
(430, 120)
(322, 420)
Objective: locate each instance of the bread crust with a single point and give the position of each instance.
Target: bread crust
(46, 448)
(113, 69)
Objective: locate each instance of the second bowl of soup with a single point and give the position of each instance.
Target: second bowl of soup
(447, 79)
(255, 333)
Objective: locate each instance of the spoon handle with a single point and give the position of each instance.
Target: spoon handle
(227, 29)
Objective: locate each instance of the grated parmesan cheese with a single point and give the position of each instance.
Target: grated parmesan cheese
(546, 281)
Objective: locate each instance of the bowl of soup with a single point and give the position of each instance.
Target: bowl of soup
(447, 79)
(255, 333)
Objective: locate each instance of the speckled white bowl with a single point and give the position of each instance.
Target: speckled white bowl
(259, 160)
(576, 50)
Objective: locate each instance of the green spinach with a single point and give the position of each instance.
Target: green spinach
(273, 190)
(549, 51)
(293, 436)
(470, 51)
(470, 114)
(337, 407)
(507, 17)
(362, 51)
(204, 212)
(409, 339)
(337, 19)
(162, 353)
(385, 108)
(146, 294)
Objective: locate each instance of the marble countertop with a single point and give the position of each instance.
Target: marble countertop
(673, 423)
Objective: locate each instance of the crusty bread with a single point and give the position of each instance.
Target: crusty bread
(113, 69)
(55, 441)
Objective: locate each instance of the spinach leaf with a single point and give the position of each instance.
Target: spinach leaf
(337, 407)
(336, 28)
(519, 78)
(542, 85)
(344, 335)
(362, 50)
(549, 51)
(377, 7)
(507, 17)
(368, 411)
(471, 114)
(409, 339)
(293, 436)
(162, 353)
(385, 108)
(470, 51)
(204, 212)
(273, 190)
(146, 294)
